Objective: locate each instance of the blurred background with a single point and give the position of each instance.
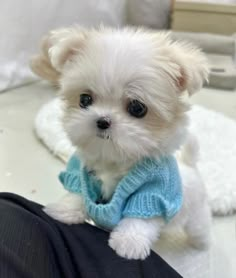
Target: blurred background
(24, 22)
(34, 149)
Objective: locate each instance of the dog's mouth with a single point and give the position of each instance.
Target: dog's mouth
(103, 135)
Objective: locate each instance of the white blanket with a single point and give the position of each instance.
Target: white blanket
(217, 135)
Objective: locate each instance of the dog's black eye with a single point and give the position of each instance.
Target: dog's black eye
(85, 100)
(137, 109)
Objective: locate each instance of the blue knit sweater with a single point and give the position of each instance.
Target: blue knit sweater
(151, 188)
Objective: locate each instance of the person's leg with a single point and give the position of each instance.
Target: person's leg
(26, 240)
(34, 245)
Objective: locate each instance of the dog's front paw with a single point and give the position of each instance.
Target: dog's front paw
(130, 246)
(64, 214)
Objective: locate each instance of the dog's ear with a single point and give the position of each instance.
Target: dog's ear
(188, 66)
(57, 48)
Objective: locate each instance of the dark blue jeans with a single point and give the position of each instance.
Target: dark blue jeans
(34, 245)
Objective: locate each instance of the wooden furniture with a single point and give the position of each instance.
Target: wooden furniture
(202, 17)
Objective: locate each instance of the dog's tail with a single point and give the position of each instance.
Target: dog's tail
(189, 152)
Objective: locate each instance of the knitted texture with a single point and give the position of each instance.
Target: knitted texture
(151, 188)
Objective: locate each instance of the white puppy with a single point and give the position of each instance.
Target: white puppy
(122, 91)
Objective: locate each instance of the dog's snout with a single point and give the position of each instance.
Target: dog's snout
(103, 123)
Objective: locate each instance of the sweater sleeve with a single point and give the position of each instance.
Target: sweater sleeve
(160, 195)
(71, 177)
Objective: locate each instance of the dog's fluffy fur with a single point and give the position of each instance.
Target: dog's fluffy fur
(114, 67)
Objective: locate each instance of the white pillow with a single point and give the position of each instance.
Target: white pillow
(24, 22)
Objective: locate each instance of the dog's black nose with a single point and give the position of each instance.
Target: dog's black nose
(103, 123)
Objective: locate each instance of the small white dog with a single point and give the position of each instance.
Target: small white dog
(122, 91)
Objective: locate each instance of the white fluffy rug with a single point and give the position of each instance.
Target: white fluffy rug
(217, 138)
